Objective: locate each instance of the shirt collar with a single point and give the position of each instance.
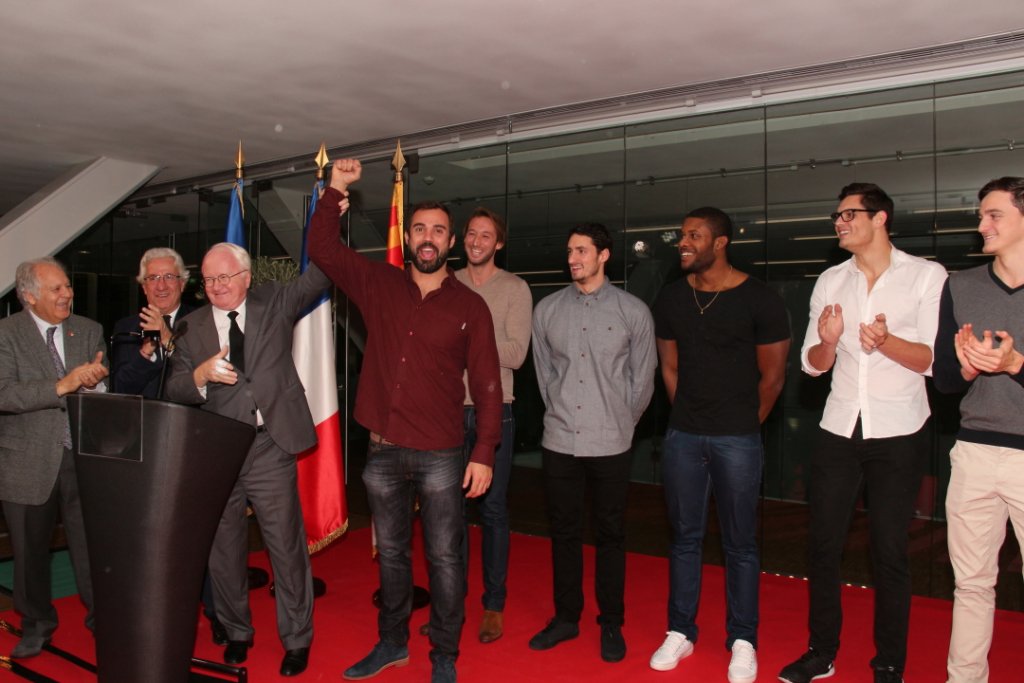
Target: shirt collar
(43, 325)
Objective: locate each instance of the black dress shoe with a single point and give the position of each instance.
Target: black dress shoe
(237, 651)
(295, 661)
(218, 633)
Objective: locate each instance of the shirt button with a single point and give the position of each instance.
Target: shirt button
(403, 359)
(398, 386)
(579, 407)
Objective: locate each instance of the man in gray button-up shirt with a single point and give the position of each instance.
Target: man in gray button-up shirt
(594, 352)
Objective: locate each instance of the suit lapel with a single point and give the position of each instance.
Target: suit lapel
(74, 345)
(206, 335)
(255, 310)
(37, 345)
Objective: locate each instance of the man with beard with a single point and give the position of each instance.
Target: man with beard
(509, 300)
(424, 330)
(872, 322)
(722, 341)
(593, 349)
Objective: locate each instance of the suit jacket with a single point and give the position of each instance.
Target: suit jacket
(32, 416)
(130, 373)
(270, 381)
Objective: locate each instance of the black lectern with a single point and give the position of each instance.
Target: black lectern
(153, 478)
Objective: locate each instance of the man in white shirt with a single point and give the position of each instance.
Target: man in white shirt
(872, 322)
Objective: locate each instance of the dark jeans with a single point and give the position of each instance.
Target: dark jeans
(566, 478)
(890, 470)
(493, 507)
(693, 467)
(394, 478)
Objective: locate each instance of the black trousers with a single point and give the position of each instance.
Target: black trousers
(31, 527)
(890, 471)
(566, 479)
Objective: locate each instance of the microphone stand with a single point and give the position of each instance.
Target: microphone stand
(182, 328)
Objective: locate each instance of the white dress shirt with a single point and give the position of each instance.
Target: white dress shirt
(889, 398)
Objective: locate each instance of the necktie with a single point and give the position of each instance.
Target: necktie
(58, 365)
(236, 343)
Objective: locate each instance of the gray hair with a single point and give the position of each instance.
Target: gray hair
(25, 279)
(161, 252)
(240, 254)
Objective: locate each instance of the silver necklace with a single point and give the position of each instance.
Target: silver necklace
(693, 288)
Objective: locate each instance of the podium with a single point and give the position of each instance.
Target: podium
(153, 478)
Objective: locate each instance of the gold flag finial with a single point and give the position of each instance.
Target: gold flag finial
(239, 161)
(321, 160)
(398, 162)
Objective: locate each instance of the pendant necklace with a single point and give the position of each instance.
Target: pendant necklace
(693, 288)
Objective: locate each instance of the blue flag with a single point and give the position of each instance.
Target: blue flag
(235, 232)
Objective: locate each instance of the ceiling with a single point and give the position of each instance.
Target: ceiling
(179, 85)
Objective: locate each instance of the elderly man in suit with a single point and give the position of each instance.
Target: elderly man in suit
(46, 352)
(256, 383)
(139, 340)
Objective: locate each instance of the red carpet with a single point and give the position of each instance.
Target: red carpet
(346, 628)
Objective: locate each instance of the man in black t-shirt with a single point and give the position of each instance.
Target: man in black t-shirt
(722, 338)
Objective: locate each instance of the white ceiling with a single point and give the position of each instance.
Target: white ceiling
(178, 84)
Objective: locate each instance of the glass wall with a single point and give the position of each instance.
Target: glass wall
(776, 169)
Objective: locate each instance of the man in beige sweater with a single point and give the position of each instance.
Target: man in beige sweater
(511, 304)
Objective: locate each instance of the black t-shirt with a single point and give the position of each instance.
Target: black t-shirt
(718, 375)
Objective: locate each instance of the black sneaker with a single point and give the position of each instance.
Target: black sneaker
(554, 633)
(888, 674)
(811, 666)
(613, 645)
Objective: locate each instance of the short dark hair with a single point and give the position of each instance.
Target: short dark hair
(873, 198)
(429, 206)
(1011, 184)
(484, 212)
(596, 232)
(718, 221)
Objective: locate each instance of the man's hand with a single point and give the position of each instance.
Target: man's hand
(215, 369)
(86, 375)
(985, 356)
(477, 479)
(344, 172)
(830, 324)
(874, 335)
(961, 340)
(150, 318)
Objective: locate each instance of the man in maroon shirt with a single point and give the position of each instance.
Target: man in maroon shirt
(424, 328)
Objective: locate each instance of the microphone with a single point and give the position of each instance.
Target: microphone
(179, 331)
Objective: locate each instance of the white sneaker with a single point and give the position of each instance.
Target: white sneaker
(743, 666)
(675, 647)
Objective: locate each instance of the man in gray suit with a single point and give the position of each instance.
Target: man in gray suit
(45, 354)
(256, 383)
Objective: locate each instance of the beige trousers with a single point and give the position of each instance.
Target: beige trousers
(986, 487)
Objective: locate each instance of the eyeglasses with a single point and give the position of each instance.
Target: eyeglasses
(169, 278)
(847, 214)
(222, 279)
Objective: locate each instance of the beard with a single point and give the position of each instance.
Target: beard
(701, 262)
(428, 267)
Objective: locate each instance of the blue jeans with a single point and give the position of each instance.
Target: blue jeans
(694, 466)
(394, 477)
(493, 507)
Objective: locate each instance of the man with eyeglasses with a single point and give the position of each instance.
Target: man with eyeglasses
(872, 322)
(981, 325)
(236, 361)
(139, 340)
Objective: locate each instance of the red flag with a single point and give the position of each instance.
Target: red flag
(395, 253)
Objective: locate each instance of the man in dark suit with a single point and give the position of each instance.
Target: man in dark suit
(139, 340)
(257, 383)
(45, 354)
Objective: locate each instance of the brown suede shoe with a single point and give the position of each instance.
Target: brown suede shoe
(490, 626)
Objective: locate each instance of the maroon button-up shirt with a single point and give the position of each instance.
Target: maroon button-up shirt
(410, 387)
